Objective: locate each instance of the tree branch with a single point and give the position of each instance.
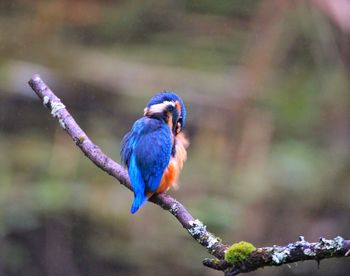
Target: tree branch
(300, 250)
(58, 110)
(265, 256)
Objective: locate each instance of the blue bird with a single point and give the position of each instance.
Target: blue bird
(155, 149)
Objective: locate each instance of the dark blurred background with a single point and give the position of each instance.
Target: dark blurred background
(266, 85)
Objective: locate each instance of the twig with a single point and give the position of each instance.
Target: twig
(261, 257)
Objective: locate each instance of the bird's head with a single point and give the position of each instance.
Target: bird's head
(169, 107)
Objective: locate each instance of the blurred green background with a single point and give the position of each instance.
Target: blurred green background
(266, 85)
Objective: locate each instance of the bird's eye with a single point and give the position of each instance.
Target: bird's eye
(178, 128)
(178, 125)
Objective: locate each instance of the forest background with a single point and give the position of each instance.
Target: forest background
(266, 86)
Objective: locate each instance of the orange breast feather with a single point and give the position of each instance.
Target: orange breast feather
(172, 172)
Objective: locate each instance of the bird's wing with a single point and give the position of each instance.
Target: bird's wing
(152, 154)
(149, 145)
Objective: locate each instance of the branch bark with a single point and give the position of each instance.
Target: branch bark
(265, 256)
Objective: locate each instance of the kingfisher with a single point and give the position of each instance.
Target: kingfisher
(154, 150)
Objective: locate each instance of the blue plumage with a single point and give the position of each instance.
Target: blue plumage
(147, 148)
(146, 151)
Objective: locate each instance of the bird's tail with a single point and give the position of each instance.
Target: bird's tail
(139, 201)
(138, 186)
